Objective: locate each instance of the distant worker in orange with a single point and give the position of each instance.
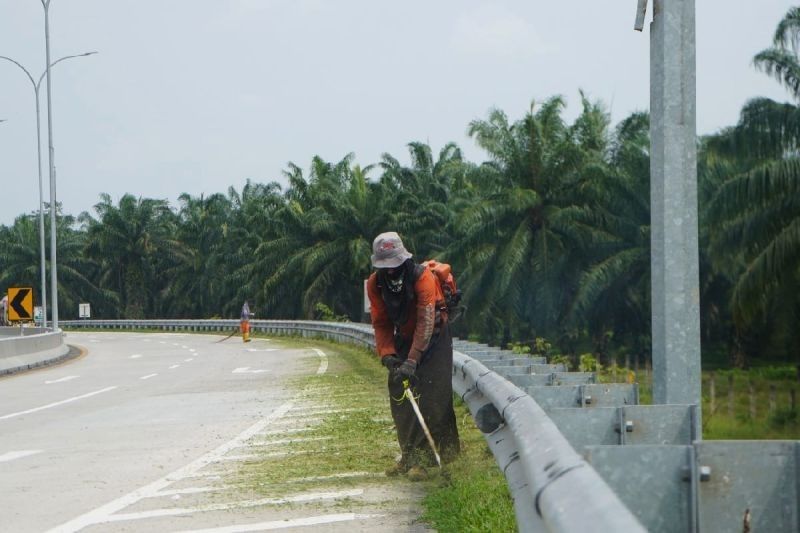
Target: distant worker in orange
(245, 322)
(412, 338)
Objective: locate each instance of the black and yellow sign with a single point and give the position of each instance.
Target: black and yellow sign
(20, 304)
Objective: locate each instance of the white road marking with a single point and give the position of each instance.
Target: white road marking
(246, 370)
(192, 350)
(333, 476)
(148, 376)
(244, 457)
(136, 356)
(313, 496)
(10, 456)
(174, 367)
(286, 431)
(323, 364)
(60, 380)
(102, 514)
(56, 404)
(287, 441)
(188, 360)
(189, 490)
(312, 412)
(283, 524)
(264, 350)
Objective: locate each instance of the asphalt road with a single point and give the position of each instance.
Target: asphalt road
(135, 407)
(133, 434)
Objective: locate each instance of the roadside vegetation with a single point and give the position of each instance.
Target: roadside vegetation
(469, 495)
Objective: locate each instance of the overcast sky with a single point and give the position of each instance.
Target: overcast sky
(198, 95)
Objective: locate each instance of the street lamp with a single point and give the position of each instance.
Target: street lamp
(36, 86)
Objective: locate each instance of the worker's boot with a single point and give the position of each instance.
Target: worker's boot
(417, 473)
(396, 469)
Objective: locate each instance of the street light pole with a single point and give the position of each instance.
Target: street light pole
(36, 87)
(51, 152)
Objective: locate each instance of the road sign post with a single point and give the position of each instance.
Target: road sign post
(84, 311)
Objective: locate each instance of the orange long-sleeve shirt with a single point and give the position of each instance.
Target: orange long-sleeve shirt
(419, 326)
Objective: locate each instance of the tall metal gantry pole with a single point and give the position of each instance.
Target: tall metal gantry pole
(36, 86)
(675, 278)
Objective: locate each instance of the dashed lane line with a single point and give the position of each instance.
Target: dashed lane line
(56, 404)
(60, 380)
(10, 456)
(148, 376)
(323, 364)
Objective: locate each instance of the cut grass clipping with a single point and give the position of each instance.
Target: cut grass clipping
(471, 495)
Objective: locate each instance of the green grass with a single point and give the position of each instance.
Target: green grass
(720, 423)
(469, 495)
(473, 494)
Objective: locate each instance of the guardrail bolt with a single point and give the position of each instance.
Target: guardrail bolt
(705, 473)
(629, 426)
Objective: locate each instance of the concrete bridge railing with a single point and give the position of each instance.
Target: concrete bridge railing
(25, 348)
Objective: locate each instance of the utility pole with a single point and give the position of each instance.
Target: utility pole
(674, 260)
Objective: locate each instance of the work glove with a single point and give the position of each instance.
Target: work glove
(406, 370)
(390, 361)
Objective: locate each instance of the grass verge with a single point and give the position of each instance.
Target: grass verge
(471, 495)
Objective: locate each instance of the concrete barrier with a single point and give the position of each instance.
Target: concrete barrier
(26, 348)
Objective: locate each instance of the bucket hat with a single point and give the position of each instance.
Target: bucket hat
(388, 251)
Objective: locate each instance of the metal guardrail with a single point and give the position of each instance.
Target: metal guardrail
(553, 487)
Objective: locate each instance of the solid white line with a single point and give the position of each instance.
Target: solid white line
(148, 376)
(283, 524)
(190, 490)
(56, 404)
(333, 476)
(313, 496)
(60, 380)
(10, 456)
(243, 457)
(323, 364)
(286, 431)
(315, 412)
(101, 514)
(287, 441)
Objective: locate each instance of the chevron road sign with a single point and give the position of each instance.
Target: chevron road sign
(20, 304)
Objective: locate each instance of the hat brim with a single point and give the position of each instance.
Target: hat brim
(392, 262)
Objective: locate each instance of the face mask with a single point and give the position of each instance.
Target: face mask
(394, 279)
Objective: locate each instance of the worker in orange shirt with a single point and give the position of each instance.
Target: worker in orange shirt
(412, 338)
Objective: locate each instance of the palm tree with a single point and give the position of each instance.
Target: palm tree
(424, 195)
(134, 245)
(520, 238)
(613, 292)
(322, 248)
(19, 245)
(197, 282)
(755, 215)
